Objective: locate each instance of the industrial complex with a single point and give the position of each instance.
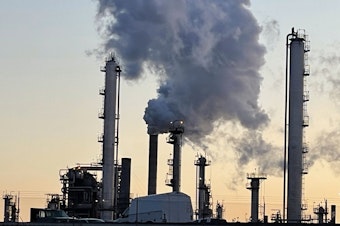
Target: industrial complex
(107, 200)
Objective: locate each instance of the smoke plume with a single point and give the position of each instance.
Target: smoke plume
(206, 53)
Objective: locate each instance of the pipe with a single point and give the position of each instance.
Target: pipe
(285, 131)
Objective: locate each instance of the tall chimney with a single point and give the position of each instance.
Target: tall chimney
(152, 179)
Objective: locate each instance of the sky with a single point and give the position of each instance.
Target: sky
(51, 54)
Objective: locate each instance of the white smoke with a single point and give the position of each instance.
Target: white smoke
(207, 53)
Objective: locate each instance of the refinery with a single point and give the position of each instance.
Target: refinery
(85, 198)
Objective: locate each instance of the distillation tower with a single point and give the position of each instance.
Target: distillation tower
(295, 107)
(110, 137)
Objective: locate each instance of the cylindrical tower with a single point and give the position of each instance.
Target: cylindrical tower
(176, 130)
(296, 123)
(254, 186)
(203, 201)
(177, 162)
(333, 214)
(7, 208)
(109, 138)
(152, 179)
(124, 185)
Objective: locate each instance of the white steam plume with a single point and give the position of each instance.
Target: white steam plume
(208, 55)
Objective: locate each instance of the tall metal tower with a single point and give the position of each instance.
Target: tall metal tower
(176, 130)
(110, 115)
(204, 205)
(296, 114)
(11, 211)
(254, 186)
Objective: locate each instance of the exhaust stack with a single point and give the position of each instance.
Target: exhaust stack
(176, 130)
(153, 149)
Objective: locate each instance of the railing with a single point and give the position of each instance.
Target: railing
(306, 70)
(305, 122)
(101, 138)
(101, 114)
(102, 91)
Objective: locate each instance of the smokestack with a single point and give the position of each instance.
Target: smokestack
(203, 79)
(153, 146)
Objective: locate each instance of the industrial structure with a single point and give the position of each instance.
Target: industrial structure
(110, 114)
(81, 192)
(296, 114)
(11, 211)
(254, 186)
(176, 131)
(84, 195)
(153, 153)
(203, 190)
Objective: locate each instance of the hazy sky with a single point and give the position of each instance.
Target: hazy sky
(50, 77)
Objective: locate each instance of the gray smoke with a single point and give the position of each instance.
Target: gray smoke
(326, 147)
(271, 33)
(252, 147)
(207, 54)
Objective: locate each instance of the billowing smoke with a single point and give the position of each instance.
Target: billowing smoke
(206, 53)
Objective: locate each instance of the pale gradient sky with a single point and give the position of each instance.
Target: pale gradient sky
(49, 104)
